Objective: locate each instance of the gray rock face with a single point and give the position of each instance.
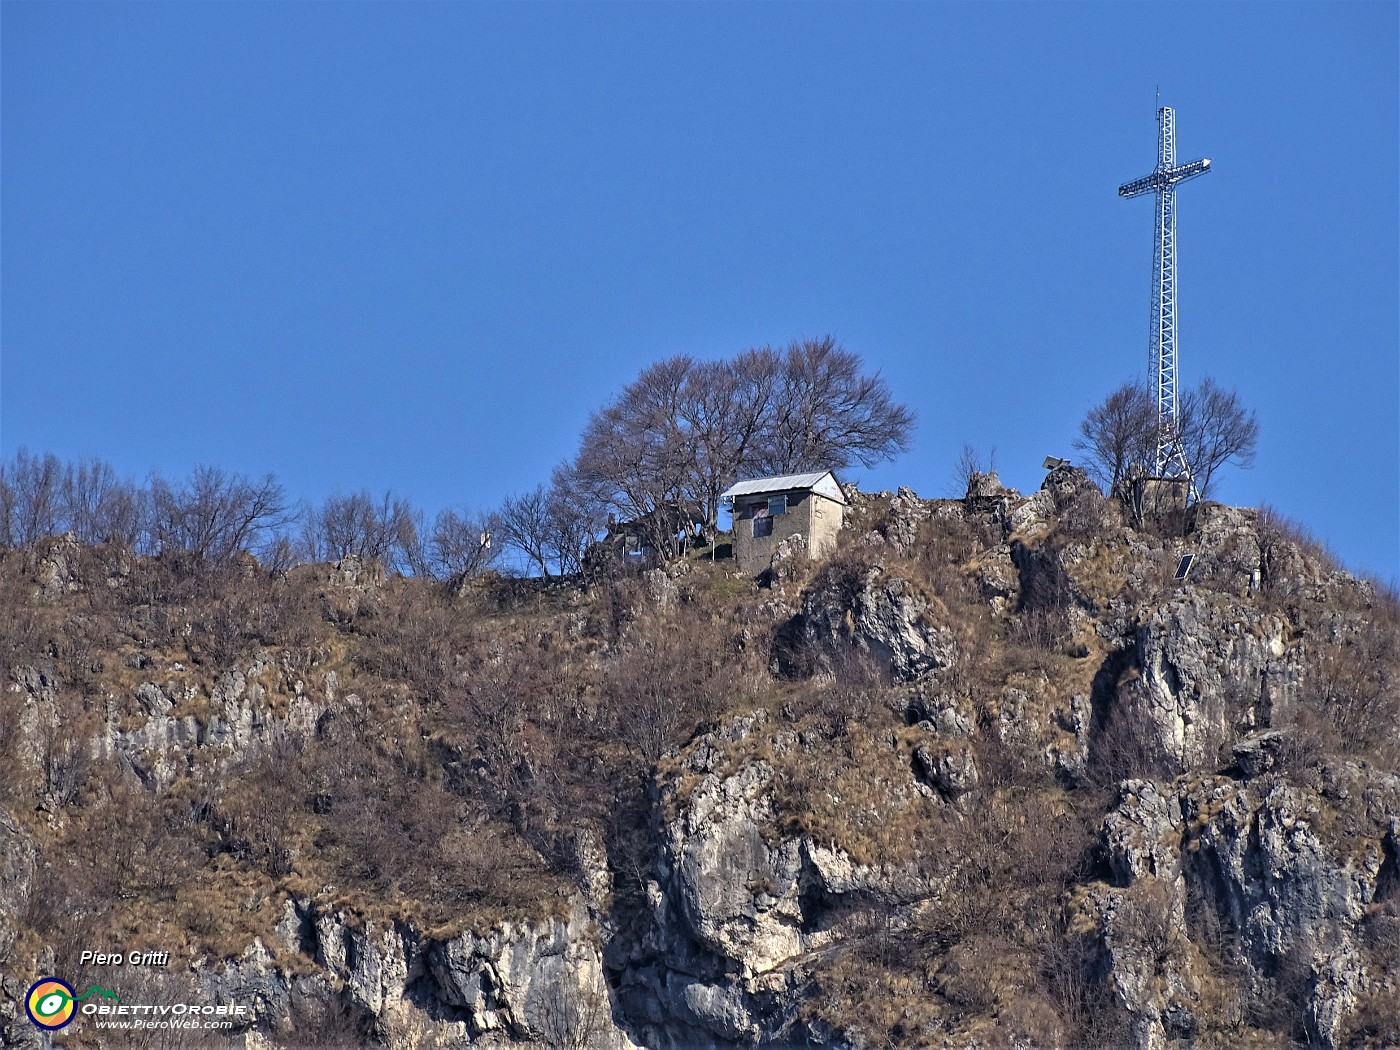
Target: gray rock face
(906, 512)
(999, 579)
(736, 895)
(1257, 861)
(1258, 753)
(877, 613)
(18, 856)
(789, 558)
(1070, 485)
(60, 569)
(536, 984)
(952, 773)
(354, 573)
(1208, 669)
(986, 486)
(735, 913)
(234, 724)
(659, 587)
(1143, 834)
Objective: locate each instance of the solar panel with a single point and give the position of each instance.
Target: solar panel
(1184, 565)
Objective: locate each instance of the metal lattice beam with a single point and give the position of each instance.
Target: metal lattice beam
(1170, 462)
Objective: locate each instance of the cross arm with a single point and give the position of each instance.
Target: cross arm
(1182, 172)
(1161, 180)
(1146, 184)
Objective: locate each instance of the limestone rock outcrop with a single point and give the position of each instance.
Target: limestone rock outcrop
(878, 614)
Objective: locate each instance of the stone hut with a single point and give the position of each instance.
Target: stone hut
(767, 511)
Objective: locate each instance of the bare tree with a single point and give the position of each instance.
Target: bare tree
(1119, 434)
(552, 527)
(828, 413)
(576, 516)
(32, 496)
(683, 431)
(360, 526)
(462, 545)
(98, 506)
(725, 408)
(1216, 429)
(214, 514)
(636, 456)
(523, 523)
(8, 502)
(43, 496)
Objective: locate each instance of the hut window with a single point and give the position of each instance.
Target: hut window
(762, 523)
(777, 505)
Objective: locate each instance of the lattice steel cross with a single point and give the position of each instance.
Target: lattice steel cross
(1170, 462)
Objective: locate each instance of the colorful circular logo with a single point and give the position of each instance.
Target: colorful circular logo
(50, 1002)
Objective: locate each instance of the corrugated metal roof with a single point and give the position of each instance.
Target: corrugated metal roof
(821, 481)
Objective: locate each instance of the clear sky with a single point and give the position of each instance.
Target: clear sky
(413, 246)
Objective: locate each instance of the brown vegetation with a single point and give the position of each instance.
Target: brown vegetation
(458, 744)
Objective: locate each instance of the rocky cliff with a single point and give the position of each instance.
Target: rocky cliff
(988, 776)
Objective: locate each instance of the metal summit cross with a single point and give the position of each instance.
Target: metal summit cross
(1170, 462)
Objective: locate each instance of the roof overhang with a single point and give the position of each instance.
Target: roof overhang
(822, 482)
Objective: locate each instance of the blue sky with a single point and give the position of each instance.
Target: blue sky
(413, 246)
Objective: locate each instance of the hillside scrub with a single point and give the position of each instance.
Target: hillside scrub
(987, 774)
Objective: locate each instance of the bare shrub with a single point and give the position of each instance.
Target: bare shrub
(24, 625)
(1286, 547)
(675, 674)
(1376, 1019)
(393, 829)
(1276, 1003)
(326, 1022)
(845, 688)
(493, 711)
(1123, 741)
(946, 550)
(1047, 593)
(1041, 628)
(13, 768)
(1355, 687)
(1075, 975)
(239, 608)
(1019, 837)
(969, 463)
(255, 819)
(572, 1015)
(65, 755)
(857, 680)
(983, 942)
(967, 975)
